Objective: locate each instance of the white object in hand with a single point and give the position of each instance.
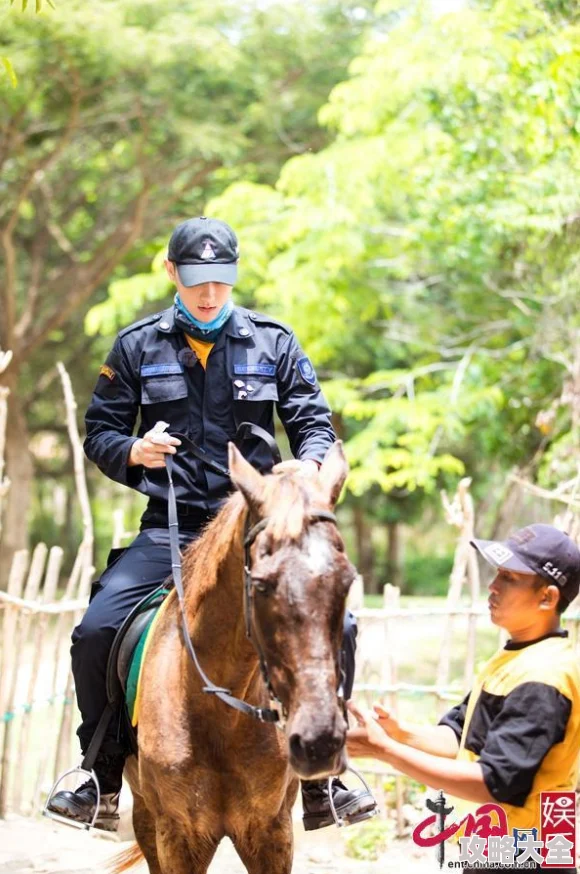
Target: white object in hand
(157, 433)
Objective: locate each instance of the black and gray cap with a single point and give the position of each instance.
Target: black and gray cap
(204, 250)
(537, 549)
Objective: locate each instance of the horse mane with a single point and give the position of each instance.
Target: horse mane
(286, 500)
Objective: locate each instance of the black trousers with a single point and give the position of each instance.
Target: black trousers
(134, 573)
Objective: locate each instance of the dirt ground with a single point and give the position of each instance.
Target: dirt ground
(38, 846)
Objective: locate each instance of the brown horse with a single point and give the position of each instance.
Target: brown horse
(206, 771)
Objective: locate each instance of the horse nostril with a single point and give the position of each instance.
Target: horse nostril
(296, 746)
(318, 749)
(327, 746)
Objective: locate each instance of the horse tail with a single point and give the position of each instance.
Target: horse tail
(126, 859)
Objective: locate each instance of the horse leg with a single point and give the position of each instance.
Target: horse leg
(144, 827)
(267, 847)
(183, 852)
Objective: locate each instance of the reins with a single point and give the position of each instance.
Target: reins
(263, 714)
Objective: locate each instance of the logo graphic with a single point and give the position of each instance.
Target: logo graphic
(208, 253)
(498, 553)
(558, 829)
(486, 840)
(306, 370)
(442, 812)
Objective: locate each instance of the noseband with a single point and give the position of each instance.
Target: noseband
(263, 714)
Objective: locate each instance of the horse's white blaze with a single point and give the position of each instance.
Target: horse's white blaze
(319, 555)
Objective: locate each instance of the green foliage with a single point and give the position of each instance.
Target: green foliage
(8, 70)
(369, 840)
(422, 239)
(427, 574)
(435, 240)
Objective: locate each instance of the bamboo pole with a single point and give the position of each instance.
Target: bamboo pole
(459, 512)
(474, 591)
(79, 467)
(391, 601)
(84, 565)
(118, 528)
(64, 623)
(10, 670)
(23, 627)
(5, 358)
(40, 651)
(9, 617)
(63, 746)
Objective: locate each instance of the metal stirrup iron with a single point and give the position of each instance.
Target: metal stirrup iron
(358, 817)
(65, 819)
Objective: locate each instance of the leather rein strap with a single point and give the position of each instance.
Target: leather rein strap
(245, 430)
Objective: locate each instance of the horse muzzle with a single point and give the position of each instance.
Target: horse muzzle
(315, 750)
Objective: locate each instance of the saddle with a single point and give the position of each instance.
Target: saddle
(126, 658)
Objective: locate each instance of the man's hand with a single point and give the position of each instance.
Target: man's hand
(369, 739)
(307, 468)
(388, 722)
(151, 449)
(310, 467)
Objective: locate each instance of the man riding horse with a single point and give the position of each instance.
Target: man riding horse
(204, 365)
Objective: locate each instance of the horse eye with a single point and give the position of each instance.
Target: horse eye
(262, 586)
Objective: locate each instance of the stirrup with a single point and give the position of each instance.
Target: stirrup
(65, 819)
(357, 817)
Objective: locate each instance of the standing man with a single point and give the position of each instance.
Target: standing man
(204, 366)
(517, 733)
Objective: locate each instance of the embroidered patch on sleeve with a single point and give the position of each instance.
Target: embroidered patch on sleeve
(306, 370)
(108, 372)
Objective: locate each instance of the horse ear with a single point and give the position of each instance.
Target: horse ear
(245, 478)
(333, 472)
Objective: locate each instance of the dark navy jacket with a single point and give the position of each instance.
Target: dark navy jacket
(152, 374)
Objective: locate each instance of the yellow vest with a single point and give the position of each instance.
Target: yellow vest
(554, 662)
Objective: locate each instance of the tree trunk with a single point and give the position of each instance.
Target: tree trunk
(20, 471)
(395, 555)
(364, 549)
(508, 511)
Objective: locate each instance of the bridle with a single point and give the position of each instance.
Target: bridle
(263, 714)
(249, 538)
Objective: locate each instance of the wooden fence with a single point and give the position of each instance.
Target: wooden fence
(36, 686)
(37, 715)
(37, 704)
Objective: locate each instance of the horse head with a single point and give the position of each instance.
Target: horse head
(300, 576)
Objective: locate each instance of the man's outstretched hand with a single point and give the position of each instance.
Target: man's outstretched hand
(368, 739)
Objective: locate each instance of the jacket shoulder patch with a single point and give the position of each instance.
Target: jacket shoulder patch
(107, 371)
(306, 370)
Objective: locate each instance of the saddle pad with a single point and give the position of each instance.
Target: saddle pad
(133, 692)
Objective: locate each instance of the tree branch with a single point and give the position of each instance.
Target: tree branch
(83, 279)
(8, 290)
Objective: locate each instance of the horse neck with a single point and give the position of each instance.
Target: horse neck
(217, 623)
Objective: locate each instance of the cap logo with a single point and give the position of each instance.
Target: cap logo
(525, 535)
(498, 553)
(208, 253)
(555, 573)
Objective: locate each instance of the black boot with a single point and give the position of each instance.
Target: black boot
(79, 805)
(351, 805)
